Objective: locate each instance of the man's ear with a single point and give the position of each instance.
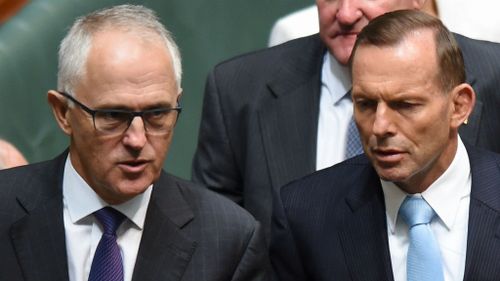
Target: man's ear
(463, 99)
(60, 107)
(179, 95)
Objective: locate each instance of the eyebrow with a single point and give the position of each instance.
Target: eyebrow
(127, 108)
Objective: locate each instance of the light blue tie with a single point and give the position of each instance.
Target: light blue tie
(424, 258)
(353, 145)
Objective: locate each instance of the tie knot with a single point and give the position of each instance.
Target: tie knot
(415, 210)
(110, 219)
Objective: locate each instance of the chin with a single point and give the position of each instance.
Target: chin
(132, 188)
(342, 54)
(391, 175)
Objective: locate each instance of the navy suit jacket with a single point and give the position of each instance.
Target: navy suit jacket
(260, 118)
(189, 232)
(332, 225)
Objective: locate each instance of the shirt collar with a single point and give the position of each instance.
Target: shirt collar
(336, 78)
(81, 200)
(443, 195)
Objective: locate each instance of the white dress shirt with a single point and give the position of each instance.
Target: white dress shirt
(294, 25)
(335, 112)
(449, 197)
(83, 231)
(475, 19)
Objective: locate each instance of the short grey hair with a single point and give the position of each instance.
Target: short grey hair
(75, 47)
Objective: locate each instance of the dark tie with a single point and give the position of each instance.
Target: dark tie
(107, 264)
(353, 145)
(424, 257)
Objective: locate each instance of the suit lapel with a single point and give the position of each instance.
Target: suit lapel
(38, 238)
(288, 117)
(483, 242)
(366, 222)
(364, 235)
(165, 252)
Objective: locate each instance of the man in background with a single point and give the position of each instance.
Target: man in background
(275, 115)
(300, 23)
(104, 209)
(475, 19)
(419, 204)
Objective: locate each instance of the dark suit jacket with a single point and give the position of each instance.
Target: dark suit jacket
(260, 117)
(189, 234)
(331, 225)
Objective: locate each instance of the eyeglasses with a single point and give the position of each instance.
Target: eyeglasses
(157, 121)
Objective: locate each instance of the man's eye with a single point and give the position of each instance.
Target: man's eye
(113, 116)
(403, 105)
(364, 104)
(157, 114)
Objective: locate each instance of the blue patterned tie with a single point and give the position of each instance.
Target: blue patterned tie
(353, 145)
(424, 257)
(107, 264)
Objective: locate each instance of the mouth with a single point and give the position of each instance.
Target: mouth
(346, 34)
(388, 156)
(133, 166)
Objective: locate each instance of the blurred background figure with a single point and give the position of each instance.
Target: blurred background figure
(297, 24)
(474, 19)
(10, 156)
(8, 8)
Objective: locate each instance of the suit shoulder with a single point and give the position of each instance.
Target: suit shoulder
(480, 57)
(23, 177)
(480, 154)
(470, 44)
(207, 203)
(270, 58)
(336, 180)
(28, 184)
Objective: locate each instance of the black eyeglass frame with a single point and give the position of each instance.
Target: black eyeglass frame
(131, 114)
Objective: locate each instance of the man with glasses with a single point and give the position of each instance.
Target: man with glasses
(104, 209)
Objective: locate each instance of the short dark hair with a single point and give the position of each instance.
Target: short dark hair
(394, 27)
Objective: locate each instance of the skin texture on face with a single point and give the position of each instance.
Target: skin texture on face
(340, 21)
(124, 71)
(408, 125)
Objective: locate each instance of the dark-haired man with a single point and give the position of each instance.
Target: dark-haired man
(278, 114)
(419, 204)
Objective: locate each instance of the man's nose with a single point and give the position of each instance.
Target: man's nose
(348, 12)
(383, 125)
(135, 136)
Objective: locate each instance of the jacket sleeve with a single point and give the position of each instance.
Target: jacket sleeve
(254, 264)
(214, 163)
